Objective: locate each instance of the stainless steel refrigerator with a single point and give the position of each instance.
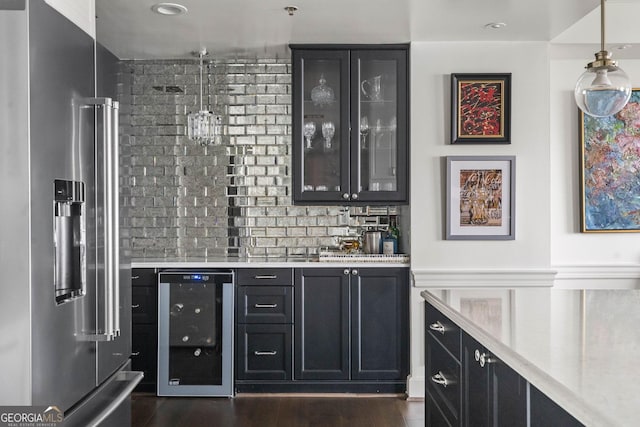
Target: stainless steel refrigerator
(65, 285)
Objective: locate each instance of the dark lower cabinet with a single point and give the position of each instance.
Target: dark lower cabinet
(545, 412)
(348, 333)
(144, 326)
(264, 328)
(509, 396)
(495, 395)
(264, 352)
(379, 324)
(322, 346)
(491, 393)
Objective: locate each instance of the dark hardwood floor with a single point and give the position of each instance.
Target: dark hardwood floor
(276, 411)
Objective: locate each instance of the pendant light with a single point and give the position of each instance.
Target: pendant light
(603, 89)
(201, 126)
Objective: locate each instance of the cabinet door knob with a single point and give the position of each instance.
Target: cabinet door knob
(440, 379)
(135, 305)
(345, 196)
(482, 358)
(354, 196)
(265, 353)
(345, 271)
(437, 326)
(354, 272)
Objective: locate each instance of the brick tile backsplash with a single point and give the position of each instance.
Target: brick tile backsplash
(229, 199)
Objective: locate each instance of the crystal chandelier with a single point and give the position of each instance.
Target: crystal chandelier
(201, 126)
(603, 89)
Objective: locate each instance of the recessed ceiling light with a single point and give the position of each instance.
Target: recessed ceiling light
(495, 25)
(169, 9)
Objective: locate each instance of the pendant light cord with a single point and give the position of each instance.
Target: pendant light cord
(201, 54)
(602, 25)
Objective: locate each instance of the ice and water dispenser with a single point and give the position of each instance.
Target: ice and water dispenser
(69, 240)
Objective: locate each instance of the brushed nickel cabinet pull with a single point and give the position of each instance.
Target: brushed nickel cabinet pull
(265, 276)
(265, 353)
(440, 379)
(265, 305)
(437, 326)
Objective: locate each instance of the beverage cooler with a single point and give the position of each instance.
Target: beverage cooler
(195, 333)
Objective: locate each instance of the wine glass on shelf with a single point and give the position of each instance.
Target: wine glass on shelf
(328, 131)
(309, 132)
(364, 131)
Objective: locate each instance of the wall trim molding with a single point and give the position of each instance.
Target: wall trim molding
(451, 278)
(598, 271)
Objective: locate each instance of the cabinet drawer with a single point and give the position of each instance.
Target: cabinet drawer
(265, 276)
(264, 352)
(144, 350)
(144, 304)
(265, 304)
(443, 377)
(144, 277)
(434, 415)
(443, 330)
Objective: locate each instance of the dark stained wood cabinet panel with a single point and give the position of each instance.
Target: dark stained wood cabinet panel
(322, 304)
(379, 323)
(144, 326)
(264, 352)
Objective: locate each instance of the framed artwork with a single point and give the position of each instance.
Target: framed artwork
(481, 108)
(609, 168)
(480, 200)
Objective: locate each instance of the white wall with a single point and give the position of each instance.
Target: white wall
(549, 248)
(431, 66)
(582, 259)
(436, 262)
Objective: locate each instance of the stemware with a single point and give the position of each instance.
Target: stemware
(309, 132)
(364, 131)
(328, 130)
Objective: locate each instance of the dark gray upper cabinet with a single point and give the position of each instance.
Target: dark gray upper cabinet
(350, 124)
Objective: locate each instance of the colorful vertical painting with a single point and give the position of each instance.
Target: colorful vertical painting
(480, 199)
(610, 170)
(480, 108)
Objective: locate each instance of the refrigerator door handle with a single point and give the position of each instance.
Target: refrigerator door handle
(115, 217)
(110, 327)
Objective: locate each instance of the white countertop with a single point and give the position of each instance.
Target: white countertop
(579, 347)
(259, 262)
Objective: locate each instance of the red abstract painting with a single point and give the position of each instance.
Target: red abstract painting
(481, 109)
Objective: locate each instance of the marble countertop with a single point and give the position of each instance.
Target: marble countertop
(261, 262)
(579, 347)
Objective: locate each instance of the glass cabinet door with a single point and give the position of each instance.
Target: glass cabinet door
(350, 124)
(380, 131)
(321, 124)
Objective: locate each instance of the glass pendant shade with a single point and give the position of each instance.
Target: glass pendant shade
(602, 91)
(201, 127)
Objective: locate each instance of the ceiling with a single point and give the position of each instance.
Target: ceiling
(229, 28)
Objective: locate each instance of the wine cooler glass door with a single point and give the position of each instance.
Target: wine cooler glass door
(195, 324)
